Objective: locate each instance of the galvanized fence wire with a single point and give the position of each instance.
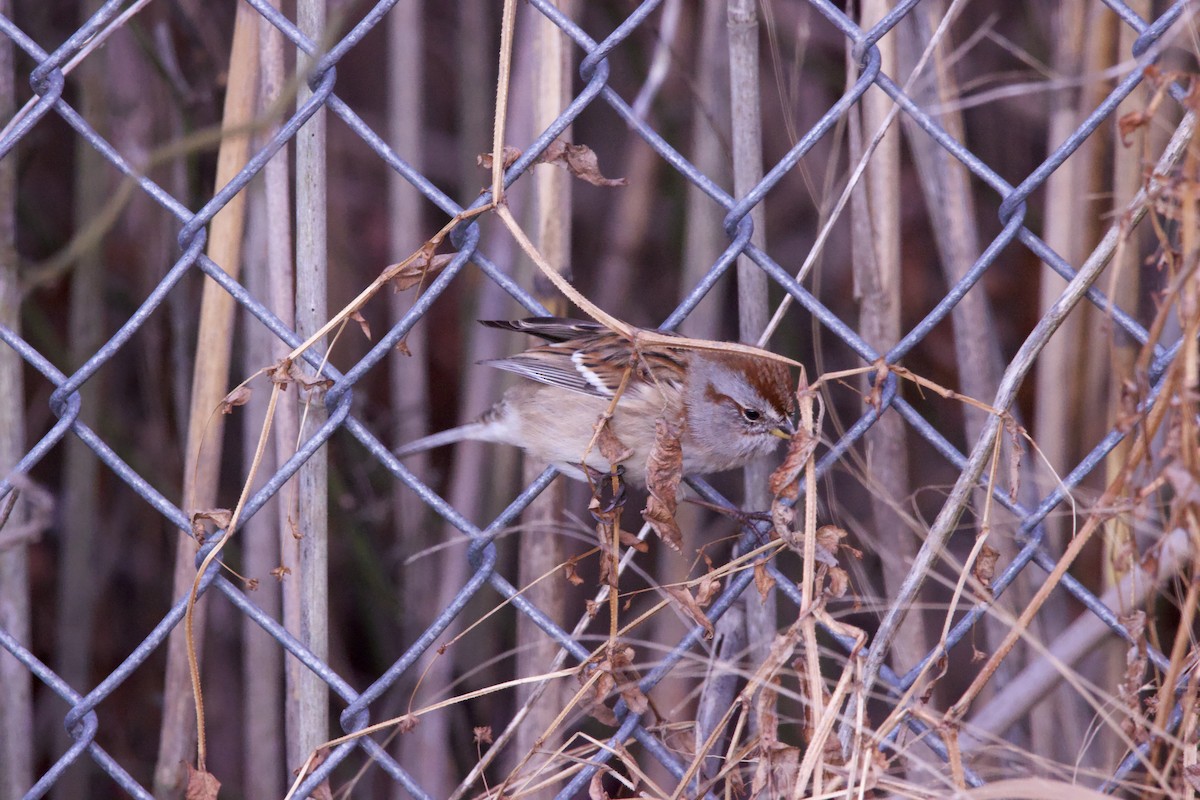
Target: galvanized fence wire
(47, 79)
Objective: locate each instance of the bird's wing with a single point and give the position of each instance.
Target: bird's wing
(556, 366)
(552, 329)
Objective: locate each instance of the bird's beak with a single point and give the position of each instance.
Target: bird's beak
(785, 431)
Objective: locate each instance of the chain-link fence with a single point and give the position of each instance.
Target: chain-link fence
(923, 114)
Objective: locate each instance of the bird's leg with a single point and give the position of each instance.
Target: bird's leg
(608, 488)
(742, 517)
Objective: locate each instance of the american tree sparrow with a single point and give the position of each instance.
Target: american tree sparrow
(734, 407)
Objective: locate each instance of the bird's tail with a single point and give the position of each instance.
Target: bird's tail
(472, 430)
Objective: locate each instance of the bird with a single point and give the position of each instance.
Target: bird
(731, 407)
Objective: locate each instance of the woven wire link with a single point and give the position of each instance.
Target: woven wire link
(47, 80)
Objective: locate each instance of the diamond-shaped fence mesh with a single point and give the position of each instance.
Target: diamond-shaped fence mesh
(964, 692)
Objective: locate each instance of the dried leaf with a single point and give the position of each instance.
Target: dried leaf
(219, 517)
(612, 448)
(829, 542)
(601, 687)
(592, 608)
(1130, 687)
(785, 481)
(511, 154)
(416, 271)
(311, 382)
(708, 588)
(238, 397)
(483, 734)
(1014, 456)
(200, 785)
(581, 161)
(1128, 123)
(362, 323)
(279, 573)
(281, 374)
(664, 471)
(402, 347)
(569, 571)
(596, 787)
(839, 582)
(683, 596)
(879, 380)
(620, 661)
(763, 580)
(252, 584)
(985, 565)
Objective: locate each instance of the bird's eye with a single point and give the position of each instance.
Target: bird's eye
(751, 414)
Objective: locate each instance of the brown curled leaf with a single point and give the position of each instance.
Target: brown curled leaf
(281, 374)
(570, 572)
(362, 323)
(785, 481)
(875, 398)
(1128, 123)
(707, 589)
(763, 580)
(511, 154)
(238, 397)
(594, 704)
(683, 596)
(306, 381)
(612, 448)
(839, 582)
(419, 270)
(219, 517)
(985, 566)
(596, 789)
(664, 471)
(581, 161)
(201, 785)
(620, 661)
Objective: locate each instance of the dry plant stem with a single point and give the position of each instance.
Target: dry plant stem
(508, 25)
(408, 384)
(829, 716)
(306, 592)
(540, 545)
(1111, 495)
(261, 661)
(190, 615)
(1124, 288)
(447, 703)
(271, 275)
(875, 219)
(823, 235)
(752, 302)
(1135, 589)
(1013, 377)
(202, 460)
(1031, 789)
(704, 239)
(79, 572)
(16, 707)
